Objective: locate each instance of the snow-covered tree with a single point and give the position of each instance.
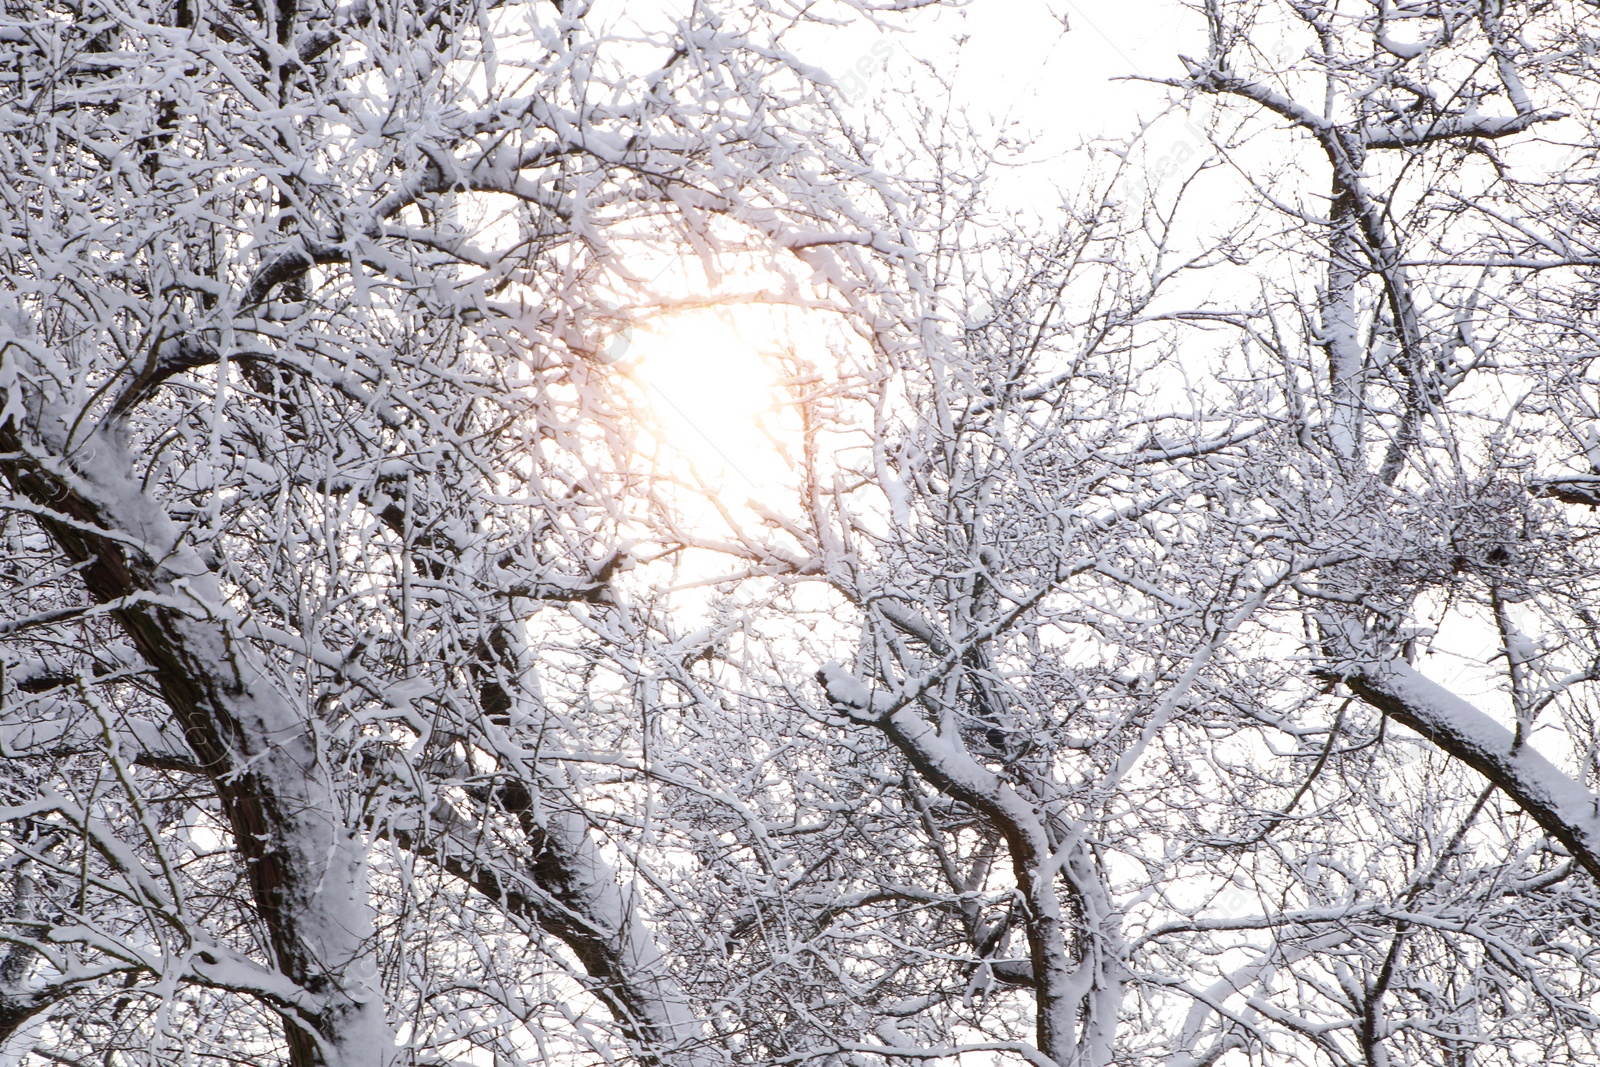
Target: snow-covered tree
(1181, 671)
(1109, 687)
(305, 421)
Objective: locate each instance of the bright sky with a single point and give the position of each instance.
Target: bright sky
(1013, 63)
(1013, 69)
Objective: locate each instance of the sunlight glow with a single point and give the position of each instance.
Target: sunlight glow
(722, 421)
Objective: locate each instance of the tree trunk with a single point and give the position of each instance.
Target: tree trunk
(307, 868)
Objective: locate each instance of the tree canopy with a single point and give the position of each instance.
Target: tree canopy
(1169, 641)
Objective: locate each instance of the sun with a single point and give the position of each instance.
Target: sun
(721, 417)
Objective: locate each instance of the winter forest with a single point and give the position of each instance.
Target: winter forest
(681, 533)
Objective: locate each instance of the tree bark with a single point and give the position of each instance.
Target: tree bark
(306, 868)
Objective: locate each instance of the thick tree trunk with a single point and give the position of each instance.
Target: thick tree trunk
(306, 867)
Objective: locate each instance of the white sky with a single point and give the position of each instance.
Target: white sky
(1013, 63)
(1011, 67)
